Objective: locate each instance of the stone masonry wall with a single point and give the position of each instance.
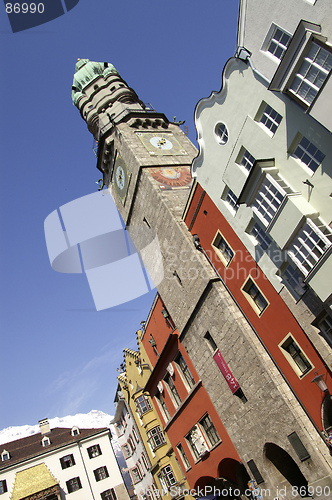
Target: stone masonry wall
(200, 303)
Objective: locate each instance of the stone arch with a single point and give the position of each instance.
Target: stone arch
(234, 472)
(285, 464)
(202, 482)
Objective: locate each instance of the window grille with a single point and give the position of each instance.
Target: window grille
(268, 200)
(185, 370)
(279, 42)
(302, 363)
(231, 200)
(270, 118)
(156, 437)
(263, 240)
(308, 247)
(308, 154)
(210, 430)
(247, 160)
(312, 73)
(143, 404)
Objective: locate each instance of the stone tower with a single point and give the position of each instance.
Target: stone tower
(145, 161)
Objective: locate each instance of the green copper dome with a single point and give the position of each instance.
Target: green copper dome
(85, 72)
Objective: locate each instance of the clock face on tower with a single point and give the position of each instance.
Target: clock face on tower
(161, 143)
(121, 178)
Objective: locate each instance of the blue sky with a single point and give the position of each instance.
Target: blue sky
(58, 354)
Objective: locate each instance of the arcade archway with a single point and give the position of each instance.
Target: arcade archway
(286, 466)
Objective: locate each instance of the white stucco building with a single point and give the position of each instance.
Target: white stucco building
(59, 462)
(275, 106)
(133, 449)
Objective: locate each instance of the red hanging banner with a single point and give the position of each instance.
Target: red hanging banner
(232, 383)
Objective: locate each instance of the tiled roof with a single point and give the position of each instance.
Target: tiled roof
(32, 480)
(31, 446)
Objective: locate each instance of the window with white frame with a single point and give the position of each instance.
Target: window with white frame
(3, 486)
(221, 133)
(119, 428)
(135, 435)
(209, 429)
(196, 442)
(254, 296)
(308, 154)
(140, 468)
(308, 247)
(222, 249)
(126, 450)
(101, 473)
(136, 475)
(145, 461)
(173, 390)
(278, 42)
(46, 442)
(67, 461)
(131, 444)
(184, 370)
(162, 405)
(94, 451)
(143, 404)
(246, 160)
(108, 494)
(312, 73)
(295, 356)
(325, 326)
(262, 239)
(166, 477)
(294, 280)
(5, 455)
(231, 200)
(268, 200)
(156, 437)
(270, 118)
(183, 456)
(73, 484)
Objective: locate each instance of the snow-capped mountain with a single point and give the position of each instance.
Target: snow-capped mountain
(91, 420)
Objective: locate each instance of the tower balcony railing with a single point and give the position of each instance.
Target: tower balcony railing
(126, 109)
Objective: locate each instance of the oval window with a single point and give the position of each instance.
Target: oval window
(221, 133)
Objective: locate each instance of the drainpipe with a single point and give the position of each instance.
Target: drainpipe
(244, 55)
(86, 472)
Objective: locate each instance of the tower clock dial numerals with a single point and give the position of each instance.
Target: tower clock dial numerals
(121, 178)
(161, 143)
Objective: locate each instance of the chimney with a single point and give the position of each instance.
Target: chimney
(44, 426)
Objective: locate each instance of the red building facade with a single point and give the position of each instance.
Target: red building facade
(202, 445)
(278, 330)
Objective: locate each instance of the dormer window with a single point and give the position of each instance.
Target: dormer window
(5, 456)
(46, 442)
(75, 431)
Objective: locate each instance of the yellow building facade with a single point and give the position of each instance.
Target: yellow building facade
(168, 477)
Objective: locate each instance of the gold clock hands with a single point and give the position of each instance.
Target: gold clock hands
(161, 141)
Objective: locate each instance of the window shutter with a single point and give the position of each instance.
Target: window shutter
(298, 446)
(255, 472)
